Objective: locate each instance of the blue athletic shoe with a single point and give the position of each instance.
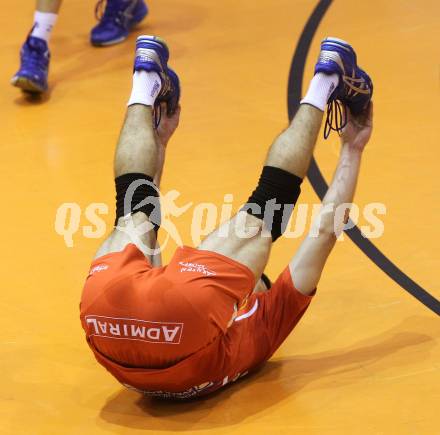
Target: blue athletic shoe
(119, 17)
(152, 54)
(172, 97)
(355, 87)
(34, 66)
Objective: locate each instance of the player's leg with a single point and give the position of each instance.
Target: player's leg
(285, 167)
(136, 153)
(276, 312)
(139, 155)
(116, 20)
(49, 6)
(35, 55)
(337, 77)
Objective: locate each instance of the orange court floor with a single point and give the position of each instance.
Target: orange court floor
(365, 359)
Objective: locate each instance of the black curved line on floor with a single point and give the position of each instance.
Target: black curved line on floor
(317, 180)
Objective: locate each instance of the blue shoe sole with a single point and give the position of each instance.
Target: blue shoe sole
(339, 43)
(156, 40)
(339, 46)
(27, 85)
(161, 49)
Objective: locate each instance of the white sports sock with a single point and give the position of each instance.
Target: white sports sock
(320, 89)
(146, 88)
(43, 25)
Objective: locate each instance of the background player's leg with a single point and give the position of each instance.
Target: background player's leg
(34, 55)
(111, 29)
(291, 151)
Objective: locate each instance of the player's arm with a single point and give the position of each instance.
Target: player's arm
(165, 130)
(307, 264)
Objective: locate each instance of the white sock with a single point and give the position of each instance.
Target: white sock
(146, 88)
(320, 89)
(43, 25)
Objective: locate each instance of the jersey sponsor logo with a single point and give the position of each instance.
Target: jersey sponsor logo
(98, 268)
(195, 267)
(134, 329)
(197, 390)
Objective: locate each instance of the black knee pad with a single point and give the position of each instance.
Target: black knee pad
(137, 192)
(274, 199)
(266, 280)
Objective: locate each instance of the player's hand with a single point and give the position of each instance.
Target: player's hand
(167, 125)
(357, 132)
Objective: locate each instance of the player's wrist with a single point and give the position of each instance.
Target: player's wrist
(353, 148)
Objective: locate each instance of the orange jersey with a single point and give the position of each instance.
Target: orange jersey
(175, 331)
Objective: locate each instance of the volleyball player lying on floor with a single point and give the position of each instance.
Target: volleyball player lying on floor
(207, 318)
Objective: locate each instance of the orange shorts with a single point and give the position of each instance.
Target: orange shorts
(185, 329)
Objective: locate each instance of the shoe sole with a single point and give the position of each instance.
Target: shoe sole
(152, 38)
(333, 55)
(160, 44)
(27, 85)
(339, 43)
(346, 46)
(112, 42)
